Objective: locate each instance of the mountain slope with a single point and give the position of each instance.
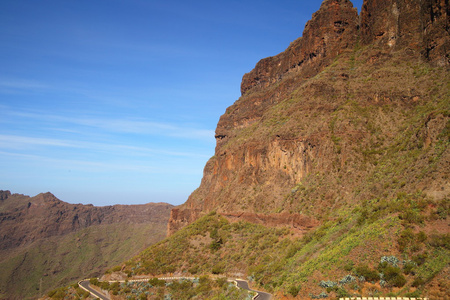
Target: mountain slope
(46, 243)
(319, 116)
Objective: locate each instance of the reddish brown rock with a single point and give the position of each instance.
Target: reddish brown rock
(180, 218)
(25, 219)
(417, 25)
(330, 31)
(288, 145)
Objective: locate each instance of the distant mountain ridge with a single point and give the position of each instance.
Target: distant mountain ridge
(31, 223)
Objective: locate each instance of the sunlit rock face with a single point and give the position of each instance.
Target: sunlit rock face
(289, 127)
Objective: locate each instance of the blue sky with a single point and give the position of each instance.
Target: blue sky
(116, 102)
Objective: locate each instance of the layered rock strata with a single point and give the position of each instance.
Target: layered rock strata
(266, 146)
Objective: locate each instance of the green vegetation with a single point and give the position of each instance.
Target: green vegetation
(45, 263)
(201, 288)
(277, 261)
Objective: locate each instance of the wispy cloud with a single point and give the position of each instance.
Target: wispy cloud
(14, 141)
(97, 166)
(21, 85)
(20, 142)
(124, 125)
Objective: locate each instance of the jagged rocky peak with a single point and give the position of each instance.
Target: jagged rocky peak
(420, 25)
(331, 30)
(4, 194)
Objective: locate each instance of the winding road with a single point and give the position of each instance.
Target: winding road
(242, 284)
(84, 284)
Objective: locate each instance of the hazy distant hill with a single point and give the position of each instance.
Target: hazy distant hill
(46, 243)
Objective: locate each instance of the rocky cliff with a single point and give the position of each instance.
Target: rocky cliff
(315, 123)
(45, 242)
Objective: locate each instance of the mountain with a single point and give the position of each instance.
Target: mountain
(331, 172)
(45, 242)
(321, 117)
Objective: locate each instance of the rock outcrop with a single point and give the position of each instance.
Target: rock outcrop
(331, 30)
(289, 131)
(416, 25)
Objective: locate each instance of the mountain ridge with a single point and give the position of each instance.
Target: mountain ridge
(46, 242)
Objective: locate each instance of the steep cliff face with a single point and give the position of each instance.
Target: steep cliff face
(315, 123)
(331, 30)
(417, 25)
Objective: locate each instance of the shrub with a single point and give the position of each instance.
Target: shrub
(418, 282)
(393, 276)
(320, 296)
(440, 241)
(341, 293)
(415, 294)
(392, 260)
(419, 259)
(327, 284)
(217, 269)
(367, 273)
(411, 216)
(221, 282)
(116, 269)
(156, 282)
(406, 238)
(215, 245)
(421, 237)
(293, 290)
(57, 294)
(347, 279)
(193, 270)
(349, 266)
(408, 267)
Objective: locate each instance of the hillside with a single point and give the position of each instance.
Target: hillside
(46, 243)
(331, 172)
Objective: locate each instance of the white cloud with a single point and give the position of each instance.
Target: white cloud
(21, 84)
(14, 141)
(20, 142)
(119, 125)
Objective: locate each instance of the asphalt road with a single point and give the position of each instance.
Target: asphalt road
(261, 295)
(85, 284)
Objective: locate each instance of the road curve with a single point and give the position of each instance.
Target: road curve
(84, 284)
(242, 284)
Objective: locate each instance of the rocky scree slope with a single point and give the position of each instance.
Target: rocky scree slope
(45, 242)
(356, 108)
